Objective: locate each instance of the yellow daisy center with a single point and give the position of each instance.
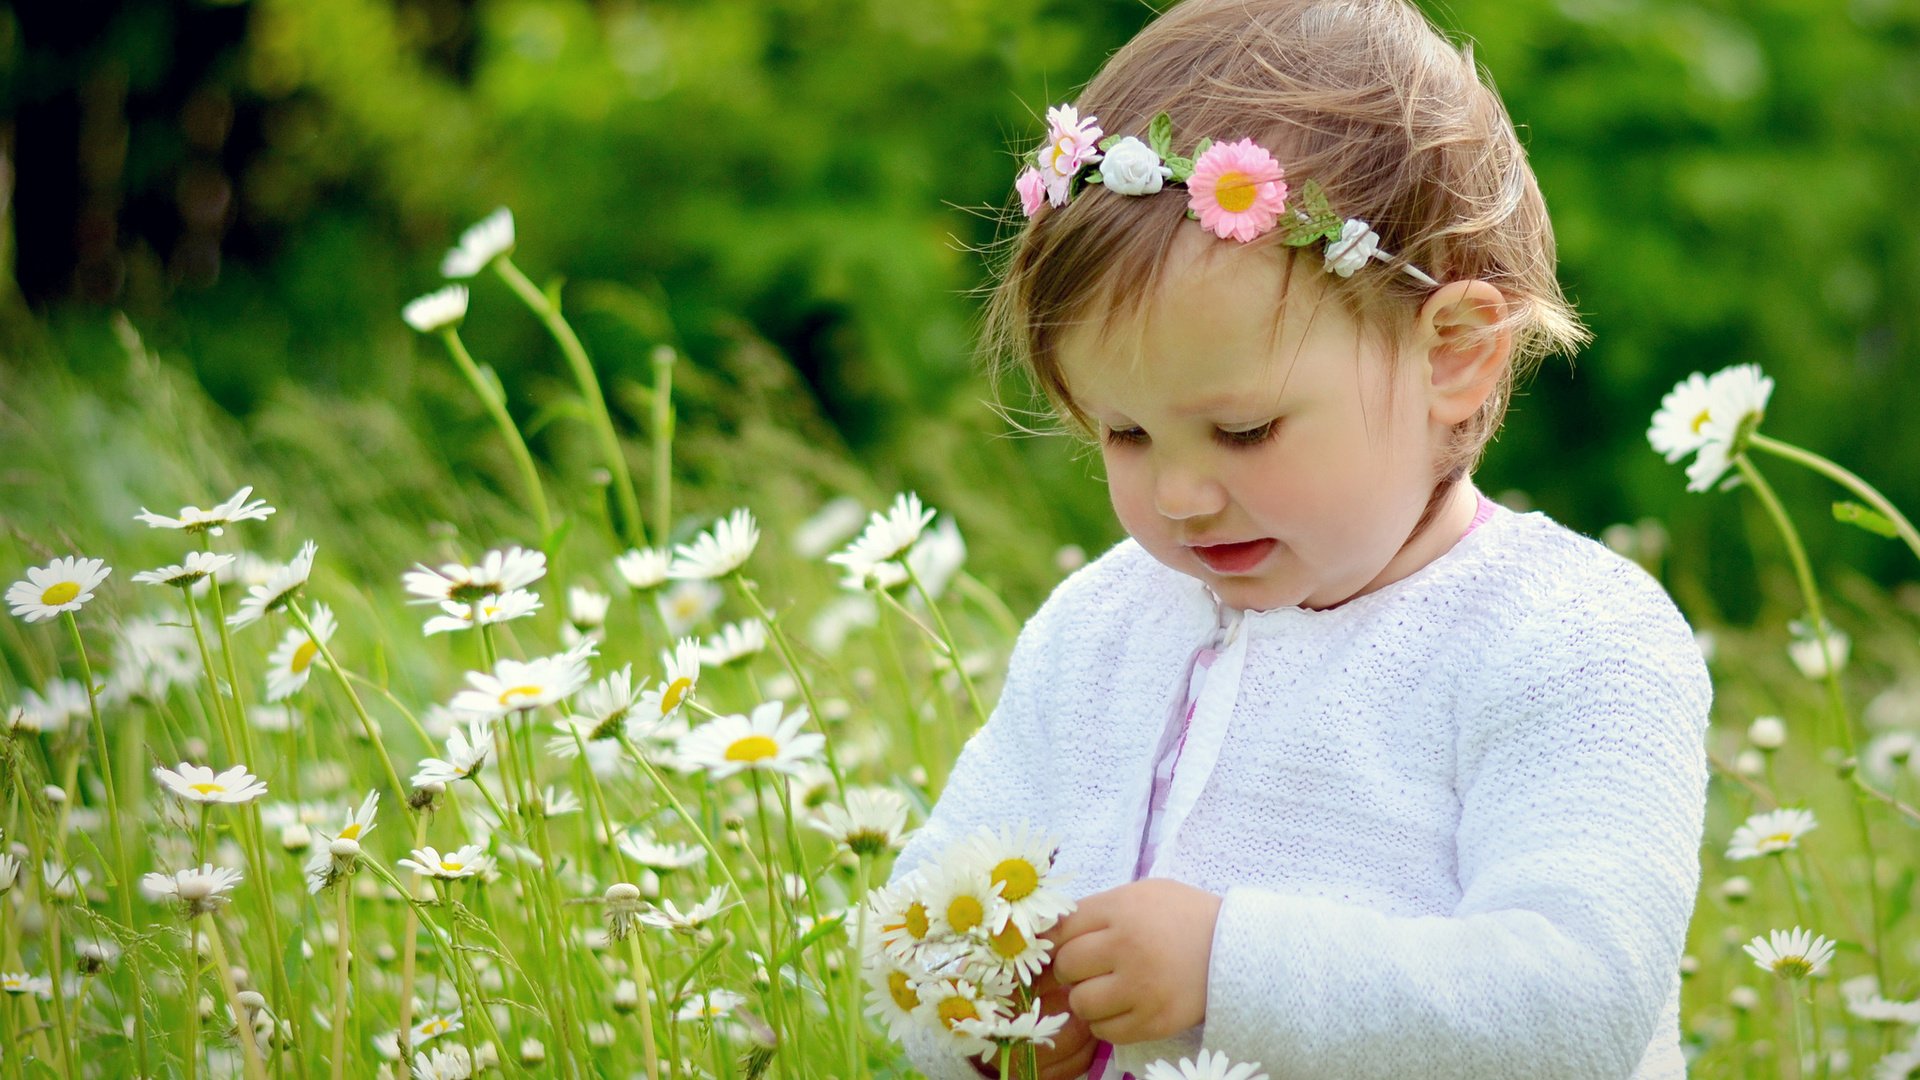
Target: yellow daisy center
(676, 692)
(61, 593)
(1792, 967)
(903, 994)
(1010, 942)
(452, 867)
(207, 788)
(955, 1009)
(752, 748)
(433, 1027)
(506, 697)
(964, 913)
(1234, 192)
(916, 920)
(1019, 876)
(1779, 839)
(15, 982)
(351, 832)
(304, 655)
(1701, 420)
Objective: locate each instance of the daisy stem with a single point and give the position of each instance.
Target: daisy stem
(953, 647)
(467, 988)
(1793, 892)
(1847, 480)
(813, 902)
(909, 711)
(121, 867)
(642, 979)
(1820, 1062)
(249, 1049)
(852, 1018)
(360, 710)
(1810, 594)
(192, 1025)
(548, 309)
(663, 420)
(206, 666)
(343, 930)
(776, 918)
(1006, 1058)
(496, 406)
(780, 643)
(409, 941)
(413, 721)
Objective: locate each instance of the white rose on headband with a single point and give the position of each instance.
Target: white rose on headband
(1356, 245)
(1132, 168)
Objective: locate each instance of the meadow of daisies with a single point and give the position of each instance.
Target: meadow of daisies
(592, 785)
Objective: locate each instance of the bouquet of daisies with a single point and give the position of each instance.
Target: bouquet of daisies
(957, 944)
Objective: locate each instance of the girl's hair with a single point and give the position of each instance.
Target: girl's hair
(1365, 97)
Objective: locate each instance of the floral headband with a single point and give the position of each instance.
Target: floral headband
(1235, 189)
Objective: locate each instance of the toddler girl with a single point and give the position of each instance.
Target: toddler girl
(1353, 772)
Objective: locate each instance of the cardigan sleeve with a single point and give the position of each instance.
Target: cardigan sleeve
(998, 778)
(1581, 780)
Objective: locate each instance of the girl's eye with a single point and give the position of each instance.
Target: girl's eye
(1249, 437)
(1125, 436)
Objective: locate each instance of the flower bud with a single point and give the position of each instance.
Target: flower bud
(1767, 733)
(1743, 998)
(54, 794)
(344, 848)
(626, 996)
(296, 837)
(1736, 889)
(532, 1052)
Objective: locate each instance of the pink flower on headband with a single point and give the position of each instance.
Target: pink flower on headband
(1071, 143)
(1238, 190)
(1033, 191)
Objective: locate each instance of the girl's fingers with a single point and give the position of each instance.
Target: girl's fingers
(1081, 959)
(1098, 999)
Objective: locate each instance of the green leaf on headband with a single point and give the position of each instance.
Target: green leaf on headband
(1094, 177)
(1201, 150)
(1160, 135)
(1181, 167)
(1311, 218)
(1110, 142)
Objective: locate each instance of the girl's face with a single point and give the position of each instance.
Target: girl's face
(1270, 463)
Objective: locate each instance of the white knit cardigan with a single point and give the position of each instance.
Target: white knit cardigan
(1456, 822)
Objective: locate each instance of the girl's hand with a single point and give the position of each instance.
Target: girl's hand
(1134, 959)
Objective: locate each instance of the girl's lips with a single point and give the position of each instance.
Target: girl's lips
(1235, 558)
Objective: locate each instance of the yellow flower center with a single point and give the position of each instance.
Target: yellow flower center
(955, 1009)
(1701, 420)
(1779, 839)
(1792, 967)
(916, 920)
(676, 692)
(207, 788)
(434, 1026)
(903, 994)
(351, 832)
(1019, 876)
(304, 655)
(62, 593)
(506, 698)
(1062, 153)
(752, 748)
(1010, 942)
(1234, 191)
(452, 867)
(964, 913)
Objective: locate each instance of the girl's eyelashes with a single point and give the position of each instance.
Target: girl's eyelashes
(1244, 437)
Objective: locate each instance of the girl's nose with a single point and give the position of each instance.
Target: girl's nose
(1180, 493)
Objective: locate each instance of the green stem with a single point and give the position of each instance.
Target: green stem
(250, 1050)
(785, 649)
(953, 647)
(663, 421)
(1846, 479)
(776, 917)
(123, 890)
(576, 354)
(360, 710)
(714, 854)
(343, 927)
(496, 406)
(853, 1017)
(1810, 594)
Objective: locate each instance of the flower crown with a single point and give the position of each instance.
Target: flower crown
(1235, 189)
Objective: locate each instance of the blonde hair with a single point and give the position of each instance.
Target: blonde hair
(1365, 97)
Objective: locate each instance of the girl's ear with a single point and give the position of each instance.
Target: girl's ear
(1465, 347)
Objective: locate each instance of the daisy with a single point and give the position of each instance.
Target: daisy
(278, 589)
(687, 604)
(466, 752)
(1679, 425)
(669, 917)
(54, 705)
(623, 909)
(1027, 1027)
(449, 1064)
(1769, 833)
(643, 568)
(201, 890)
(962, 901)
(1017, 951)
(709, 1005)
(763, 741)
(152, 654)
(435, 1026)
(1807, 655)
(199, 565)
(658, 857)
(197, 783)
(193, 519)
(891, 995)
(555, 802)
(1019, 860)
(587, 609)
(887, 536)
(520, 686)
(734, 642)
(9, 872)
(485, 611)
(483, 242)
(1238, 190)
(1733, 402)
(291, 663)
(61, 585)
(900, 910)
(498, 572)
(1791, 954)
(719, 551)
(1899, 1065)
(871, 823)
(1863, 1000)
(606, 704)
(1211, 1065)
(677, 687)
(439, 310)
(463, 862)
(19, 982)
(944, 1003)
(334, 854)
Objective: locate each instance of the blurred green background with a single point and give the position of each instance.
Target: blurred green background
(790, 191)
